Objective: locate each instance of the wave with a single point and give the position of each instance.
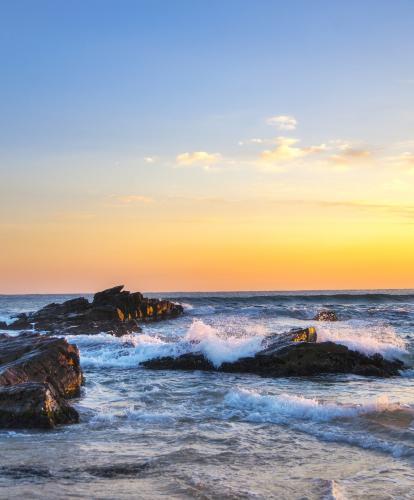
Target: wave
(368, 339)
(219, 346)
(131, 350)
(319, 419)
(279, 409)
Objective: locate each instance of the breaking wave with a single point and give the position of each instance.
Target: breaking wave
(220, 343)
(282, 408)
(363, 338)
(320, 418)
(131, 350)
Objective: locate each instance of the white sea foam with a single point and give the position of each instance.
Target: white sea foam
(226, 342)
(220, 348)
(131, 350)
(115, 353)
(361, 337)
(187, 307)
(323, 420)
(283, 407)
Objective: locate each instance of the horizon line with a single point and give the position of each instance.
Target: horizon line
(293, 291)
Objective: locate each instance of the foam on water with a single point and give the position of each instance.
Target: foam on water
(219, 348)
(326, 421)
(368, 339)
(129, 351)
(220, 343)
(269, 408)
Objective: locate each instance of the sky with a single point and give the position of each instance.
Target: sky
(206, 145)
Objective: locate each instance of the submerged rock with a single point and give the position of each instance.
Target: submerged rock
(37, 374)
(115, 311)
(327, 315)
(293, 354)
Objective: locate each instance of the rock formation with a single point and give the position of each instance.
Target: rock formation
(292, 354)
(115, 311)
(37, 374)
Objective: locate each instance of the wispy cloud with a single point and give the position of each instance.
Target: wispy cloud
(349, 154)
(197, 158)
(283, 122)
(287, 151)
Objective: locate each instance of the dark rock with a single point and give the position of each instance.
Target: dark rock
(34, 404)
(40, 358)
(112, 311)
(284, 358)
(3, 325)
(326, 316)
(37, 374)
(21, 323)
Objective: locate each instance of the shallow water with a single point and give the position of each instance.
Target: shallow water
(151, 434)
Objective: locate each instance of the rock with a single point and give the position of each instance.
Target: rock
(326, 316)
(113, 311)
(40, 358)
(3, 325)
(284, 358)
(21, 323)
(37, 374)
(34, 404)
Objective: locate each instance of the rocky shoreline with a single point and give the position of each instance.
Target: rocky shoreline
(114, 311)
(39, 372)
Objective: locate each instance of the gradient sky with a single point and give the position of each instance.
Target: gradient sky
(206, 145)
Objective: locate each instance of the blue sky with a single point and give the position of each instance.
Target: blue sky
(143, 75)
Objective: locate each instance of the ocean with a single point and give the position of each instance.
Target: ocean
(158, 434)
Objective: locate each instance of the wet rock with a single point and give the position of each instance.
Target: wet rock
(37, 374)
(39, 358)
(288, 357)
(115, 311)
(327, 315)
(21, 323)
(34, 404)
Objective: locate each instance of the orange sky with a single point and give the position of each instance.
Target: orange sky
(248, 245)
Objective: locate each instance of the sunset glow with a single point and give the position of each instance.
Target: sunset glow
(207, 160)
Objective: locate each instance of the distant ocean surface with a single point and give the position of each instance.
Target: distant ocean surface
(155, 434)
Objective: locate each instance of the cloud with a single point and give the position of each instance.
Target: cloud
(348, 154)
(286, 151)
(197, 158)
(149, 159)
(283, 122)
(256, 140)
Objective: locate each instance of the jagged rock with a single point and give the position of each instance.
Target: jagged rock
(37, 373)
(113, 311)
(326, 316)
(286, 357)
(34, 404)
(21, 323)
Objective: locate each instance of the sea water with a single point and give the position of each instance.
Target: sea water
(153, 434)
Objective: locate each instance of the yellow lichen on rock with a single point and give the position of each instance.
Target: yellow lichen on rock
(121, 315)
